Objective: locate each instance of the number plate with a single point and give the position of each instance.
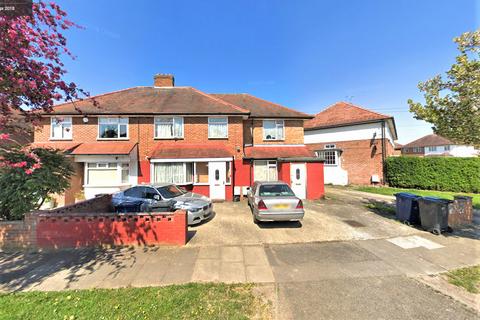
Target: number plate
(281, 206)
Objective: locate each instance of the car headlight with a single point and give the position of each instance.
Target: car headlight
(194, 209)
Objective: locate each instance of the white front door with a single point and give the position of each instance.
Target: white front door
(216, 178)
(298, 179)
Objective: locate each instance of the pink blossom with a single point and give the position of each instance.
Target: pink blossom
(4, 136)
(29, 171)
(37, 166)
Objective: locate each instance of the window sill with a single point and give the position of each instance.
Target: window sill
(273, 140)
(113, 139)
(177, 138)
(60, 139)
(107, 186)
(212, 138)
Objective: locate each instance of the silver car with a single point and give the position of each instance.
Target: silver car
(274, 201)
(198, 207)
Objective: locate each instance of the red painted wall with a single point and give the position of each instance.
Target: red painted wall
(144, 171)
(242, 176)
(284, 172)
(84, 230)
(315, 184)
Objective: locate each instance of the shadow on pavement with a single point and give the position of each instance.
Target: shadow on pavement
(280, 225)
(21, 270)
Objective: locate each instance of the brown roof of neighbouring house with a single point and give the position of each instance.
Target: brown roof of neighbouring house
(103, 148)
(427, 141)
(274, 152)
(343, 113)
(60, 145)
(152, 100)
(260, 108)
(190, 151)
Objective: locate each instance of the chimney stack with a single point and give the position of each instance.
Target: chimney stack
(164, 80)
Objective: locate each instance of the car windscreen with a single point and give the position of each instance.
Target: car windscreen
(169, 192)
(275, 190)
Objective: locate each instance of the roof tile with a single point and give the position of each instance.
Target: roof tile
(273, 152)
(188, 151)
(343, 113)
(103, 148)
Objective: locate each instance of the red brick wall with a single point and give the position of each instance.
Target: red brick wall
(141, 131)
(18, 234)
(293, 132)
(361, 158)
(84, 230)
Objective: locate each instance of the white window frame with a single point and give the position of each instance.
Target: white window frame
(278, 124)
(155, 134)
(66, 120)
(118, 128)
(106, 165)
(432, 148)
(184, 171)
(335, 152)
(270, 164)
(447, 148)
(225, 123)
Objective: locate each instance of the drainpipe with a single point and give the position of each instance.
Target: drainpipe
(383, 151)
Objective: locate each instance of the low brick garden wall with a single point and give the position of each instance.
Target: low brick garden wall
(91, 223)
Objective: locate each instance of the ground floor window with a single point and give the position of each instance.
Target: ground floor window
(201, 172)
(330, 157)
(185, 172)
(265, 170)
(173, 172)
(106, 173)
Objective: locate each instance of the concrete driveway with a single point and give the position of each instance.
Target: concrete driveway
(341, 216)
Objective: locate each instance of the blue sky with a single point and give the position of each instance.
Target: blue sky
(302, 54)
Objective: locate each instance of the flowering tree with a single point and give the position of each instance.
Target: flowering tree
(31, 72)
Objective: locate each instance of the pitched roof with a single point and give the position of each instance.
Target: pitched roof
(260, 108)
(341, 114)
(106, 147)
(427, 141)
(152, 100)
(190, 151)
(274, 152)
(60, 145)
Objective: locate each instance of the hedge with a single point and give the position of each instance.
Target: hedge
(434, 173)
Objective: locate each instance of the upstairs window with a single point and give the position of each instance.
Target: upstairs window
(218, 128)
(113, 128)
(61, 128)
(168, 127)
(273, 130)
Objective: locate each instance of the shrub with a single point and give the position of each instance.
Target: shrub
(435, 173)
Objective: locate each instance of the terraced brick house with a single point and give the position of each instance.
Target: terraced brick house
(213, 144)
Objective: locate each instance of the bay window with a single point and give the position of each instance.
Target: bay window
(217, 127)
(265, 170)
(173, 172)
(106, 173)
(61, 128)
(168, 127)
(273, 129)
(113, 128)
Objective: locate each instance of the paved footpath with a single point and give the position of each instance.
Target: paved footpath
(327, 280)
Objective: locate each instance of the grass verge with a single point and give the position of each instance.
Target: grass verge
(190, 301)
(424, 193)
(468, 278)
(380, 208)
